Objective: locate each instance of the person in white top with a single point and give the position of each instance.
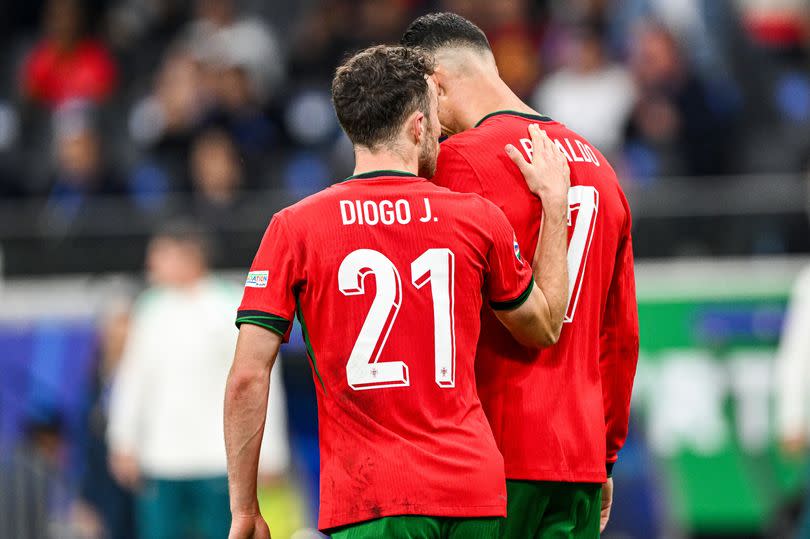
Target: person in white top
(165, 428)
(589, 94)
(793, 380)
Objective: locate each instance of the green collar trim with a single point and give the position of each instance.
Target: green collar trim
(538, 117)
(380, 174)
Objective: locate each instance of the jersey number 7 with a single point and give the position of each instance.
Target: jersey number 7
(436, 266)
(583, 207)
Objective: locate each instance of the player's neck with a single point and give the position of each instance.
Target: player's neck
(367, 161)
(497, 97)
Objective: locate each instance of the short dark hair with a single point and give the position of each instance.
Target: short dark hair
(436, 30)
(187, 231)
(377, 88)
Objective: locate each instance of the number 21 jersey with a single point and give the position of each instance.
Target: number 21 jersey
(388, 273)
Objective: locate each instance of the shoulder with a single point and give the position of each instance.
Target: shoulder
(307, 206)
(477, 207)
(557, 81)
(149, 300)
(40, 56)
(462, 143)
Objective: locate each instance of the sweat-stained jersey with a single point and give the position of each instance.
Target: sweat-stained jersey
(559, 414)
(388, 273)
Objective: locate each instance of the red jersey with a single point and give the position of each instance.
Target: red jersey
(388, 273)
(53, 76)
(559, 414)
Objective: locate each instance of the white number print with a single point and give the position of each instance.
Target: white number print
(363, 370)
(437, 266)
(584, 201)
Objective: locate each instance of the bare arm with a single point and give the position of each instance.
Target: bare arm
(539, 320)
(246, 396)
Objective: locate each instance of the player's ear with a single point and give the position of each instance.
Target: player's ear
(439, 78)
(418, 126)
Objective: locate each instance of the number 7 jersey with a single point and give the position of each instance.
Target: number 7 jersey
(388, 273)
(558, 414)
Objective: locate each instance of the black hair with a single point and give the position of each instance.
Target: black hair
(436, 30)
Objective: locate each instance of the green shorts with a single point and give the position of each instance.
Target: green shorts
(552, 510)
(421, 527)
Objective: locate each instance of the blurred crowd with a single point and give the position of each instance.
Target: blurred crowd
(186, 107)
(146, 99)
(140, 451)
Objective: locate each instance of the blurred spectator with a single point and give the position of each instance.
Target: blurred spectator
(320, 40)
(793, 382)
(515, 43)
(777, 24)
(221, 36)
(238, 109)
(164, 124)
(11, 179)
(67, 63)
(137, 23)
(678, 127)
(475, 10)
(34, 490)
(165, 426)
(105, 509)
(380, 20)
(217, 178)
(589, 94)
(80, 172)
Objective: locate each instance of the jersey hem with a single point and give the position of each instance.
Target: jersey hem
(550, 474)
(338, 520)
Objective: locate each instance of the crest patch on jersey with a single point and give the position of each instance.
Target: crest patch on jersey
(257, 279)
(517, 250)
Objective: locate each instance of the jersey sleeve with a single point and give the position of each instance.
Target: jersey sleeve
(268, 300)
(619, 347)
(454, 172)
(510, 281)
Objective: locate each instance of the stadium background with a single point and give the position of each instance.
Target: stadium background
(219, 110)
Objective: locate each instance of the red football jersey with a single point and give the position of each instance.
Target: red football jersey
(559, 414)
(388, 273)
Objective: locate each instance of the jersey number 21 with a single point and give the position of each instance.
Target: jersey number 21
(434, 266)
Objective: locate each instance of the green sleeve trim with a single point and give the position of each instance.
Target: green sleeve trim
(513, 304)
(240, 321)
(273, 322)
(609, 468)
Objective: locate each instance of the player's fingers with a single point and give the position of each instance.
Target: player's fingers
(541, 133)
(517, 158)
(538, 141)
(604, 517)
(550, 150)
(561, 161)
